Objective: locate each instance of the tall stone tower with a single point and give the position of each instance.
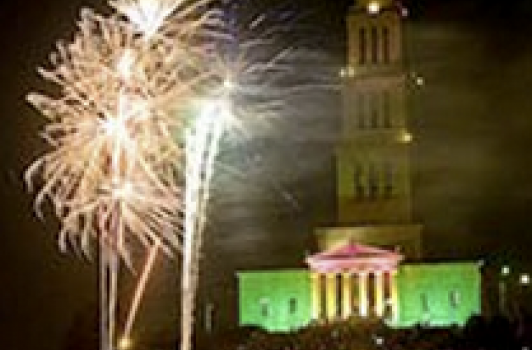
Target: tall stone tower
(373, 181)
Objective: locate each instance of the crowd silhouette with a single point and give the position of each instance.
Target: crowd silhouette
(479, 333)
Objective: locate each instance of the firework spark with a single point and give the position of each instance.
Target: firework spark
(131, 156)
(115, 168)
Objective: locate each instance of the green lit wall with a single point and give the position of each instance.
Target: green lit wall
(433, 294)
(277, 300)
(438, 294)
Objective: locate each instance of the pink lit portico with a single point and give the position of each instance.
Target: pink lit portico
(337, 271)
(354, 258)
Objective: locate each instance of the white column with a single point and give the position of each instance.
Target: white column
(315, 279)
(331, 295)
(347, 294)
(363, 293)
(330, 287)
(379, 293)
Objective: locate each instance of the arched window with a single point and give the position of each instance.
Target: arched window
(374, 45)
(386, 45)
(362, 46)
(359, 181)
(388, 179)
(373, 181)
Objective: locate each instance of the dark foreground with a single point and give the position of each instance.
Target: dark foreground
(479, 333)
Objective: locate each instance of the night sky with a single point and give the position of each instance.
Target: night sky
(472, 122)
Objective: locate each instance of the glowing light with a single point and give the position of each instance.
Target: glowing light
(147, 15)
(379, 341)
(229, 84)
(123, 191)
(343, 73)
(505, 270)
(406, 137)
(348, 71)
(524, 279)
(125, 344)
(125, 63)
(374, 7)
(115, 127)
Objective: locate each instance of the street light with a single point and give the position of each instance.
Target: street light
(503, 289)
(505, 270)
(524, 279)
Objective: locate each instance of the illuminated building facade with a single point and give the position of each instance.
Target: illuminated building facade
(359, 271)
(430, 294)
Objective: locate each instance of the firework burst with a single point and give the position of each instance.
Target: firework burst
(116, 124)
(141, 100)
(115, 170)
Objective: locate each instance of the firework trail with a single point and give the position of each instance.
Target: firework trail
(141, 101)
(202, 147)
(115, 167)
(137, 296)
